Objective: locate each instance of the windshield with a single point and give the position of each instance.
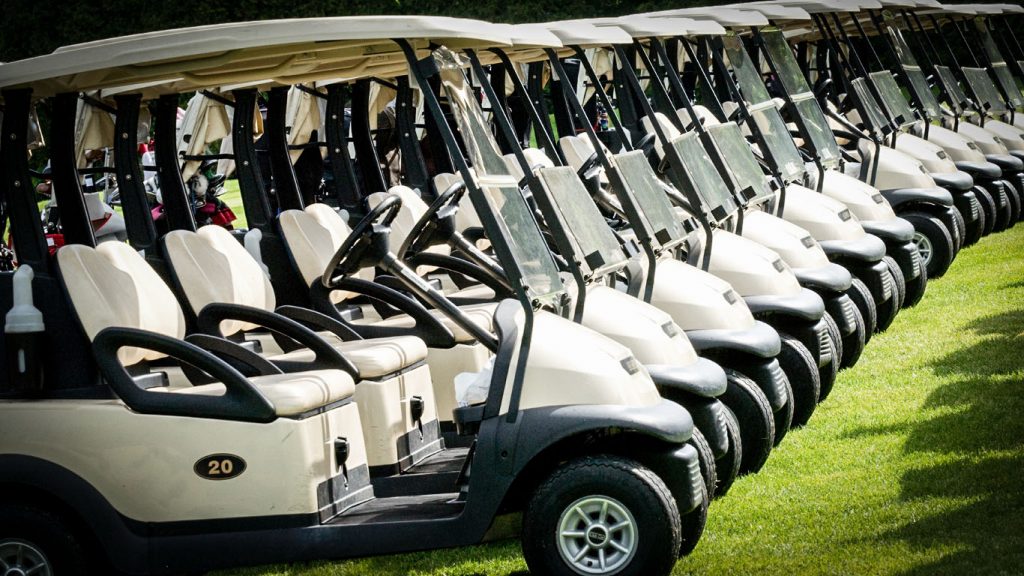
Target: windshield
(981, 84)
(918, 82)
(951, 86)
(743, 168)
(712, 190)
(805, 105)
(593, 239)
(645, 191)
(999, 67)
(747, 75)
(892, 98)
(500, 190)
(872, 115)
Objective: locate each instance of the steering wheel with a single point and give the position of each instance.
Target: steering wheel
(442, 209)
(352, 252)
(592, 162)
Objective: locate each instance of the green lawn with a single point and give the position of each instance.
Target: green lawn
(914, 465)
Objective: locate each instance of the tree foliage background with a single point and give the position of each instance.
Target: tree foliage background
(33, 27)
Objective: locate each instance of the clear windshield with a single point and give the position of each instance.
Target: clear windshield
(806, 106)
(892, 97)
(743, 167)
(999, 67)
(586, 227)
(649, 197)
(951, 86)
(702, 173)
(981, 84)
(872, 115)
(500, 190)
(747, 75)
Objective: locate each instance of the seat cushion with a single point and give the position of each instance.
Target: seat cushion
(481, 314)
(374, 357)
(291, 394)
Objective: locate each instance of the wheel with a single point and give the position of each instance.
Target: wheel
(727, 467)
(888, 309)
(827, 373)
(1004, 211)
(899, 281)
(961, 225)
(835, 337)
(799, 365)
(693, 525)
(757, 422)
(784, 416)
(706, 458)
(934, 242)
(987, 209)
(975, 229)
(865, 303)
(602, 515)
(914, 288)
(35, 541)
(1013, 195)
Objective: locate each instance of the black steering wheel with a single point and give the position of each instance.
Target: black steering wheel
(440, 213)
(587, 168)
(353, 251)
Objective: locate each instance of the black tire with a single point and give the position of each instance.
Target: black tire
(1003, 213)
(827, 373)
(988, 208)
(42, 538)
(784, 416)
(853, 344)
(1013, 193)
(835, 337)
(802, 370)
(899, 281)
(976, 228)
(706, 458)
(934, 242)
(915, 287)
(960, 224)
(692, 525)
(754, 413)
(657, 534)
(865, 303)
(727, 467)
(888, 309)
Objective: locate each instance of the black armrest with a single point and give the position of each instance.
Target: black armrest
(425, 326)
(240, 401)
(318, 321)
(465, 268)
(325, 356)
(240, 358)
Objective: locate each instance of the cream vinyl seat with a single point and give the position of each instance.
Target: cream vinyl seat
(113, 286)
(210, 266)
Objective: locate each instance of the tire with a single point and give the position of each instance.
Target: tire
(630, 490)
(988, 210)
(692, 526)
(960, 237)
(727, 467)
(865, 303)
(706, 458)
(888, 310)
(934, 242)
(1013, 193)
(1003, 213)
(976, 228)
(802, 370)
(853, 344)
(754, 413)
(835, 337)
(899, 281)
(784, 417)
(915, 287)
(42, 539)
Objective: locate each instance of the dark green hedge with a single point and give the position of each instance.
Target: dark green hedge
(32, 27)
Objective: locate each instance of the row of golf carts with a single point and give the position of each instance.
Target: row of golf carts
(572, 278)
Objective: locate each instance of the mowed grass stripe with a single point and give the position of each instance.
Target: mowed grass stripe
(914, 465)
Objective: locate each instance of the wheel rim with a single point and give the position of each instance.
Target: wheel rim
(924, 247)
(597, 535)
(21, 558)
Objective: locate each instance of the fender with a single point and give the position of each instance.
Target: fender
(900, 197)
(703, 378)
(895, 230)
(867, 248)
(958, 181)
(804, 305)
(761, 340)
(1006, 162)
(986, 170)
(831, 277)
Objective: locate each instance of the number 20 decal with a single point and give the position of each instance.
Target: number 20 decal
(219, 467)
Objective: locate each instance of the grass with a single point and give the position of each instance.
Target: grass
(914, 465)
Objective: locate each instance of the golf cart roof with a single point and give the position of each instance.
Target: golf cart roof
(774, 11)
(911, 3)
(951, 9)
(721, 15)
(532, 36)
(204, 56)
(583, 33)
(643, 27)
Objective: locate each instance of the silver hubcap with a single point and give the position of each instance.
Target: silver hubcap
(597, 535)
(924, 247)
(21, 558)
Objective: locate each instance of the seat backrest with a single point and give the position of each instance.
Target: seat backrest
(534, 157)
(703, 114)
(113, 286)
(671, 132)
(313, 236)
(466, 217)
(211, 266)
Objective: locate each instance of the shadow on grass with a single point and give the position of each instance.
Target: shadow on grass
(980, 434)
